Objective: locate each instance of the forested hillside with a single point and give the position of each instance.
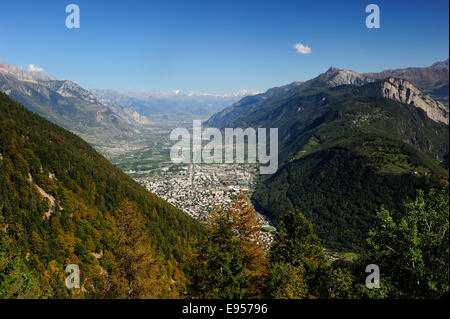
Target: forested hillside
(62, 203)
(341, 187)
(345, 150)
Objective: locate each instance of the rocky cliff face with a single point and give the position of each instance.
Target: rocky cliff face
(335, 77)
(394, 88)
(432, 80)
(403, 91)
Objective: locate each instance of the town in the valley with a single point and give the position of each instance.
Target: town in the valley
(199, 189)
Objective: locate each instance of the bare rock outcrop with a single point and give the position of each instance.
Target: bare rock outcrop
(404, 91)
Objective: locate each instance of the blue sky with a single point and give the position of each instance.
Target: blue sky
(217, 46)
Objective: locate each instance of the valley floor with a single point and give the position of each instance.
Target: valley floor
(195, 189)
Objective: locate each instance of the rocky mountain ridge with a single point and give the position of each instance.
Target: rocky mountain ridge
(335, 77)
(65, 103)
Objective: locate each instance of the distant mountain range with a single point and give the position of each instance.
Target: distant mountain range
(64, 103)
(171, 105)
(432, 79)
(348, 143)
(104, 115)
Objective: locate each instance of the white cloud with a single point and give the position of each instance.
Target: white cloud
(302, 49)
(245, 92)
(34, 68)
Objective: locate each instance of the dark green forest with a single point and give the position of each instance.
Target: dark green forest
(78, 219)
(409, 246)
(340, 188)
(344, 151)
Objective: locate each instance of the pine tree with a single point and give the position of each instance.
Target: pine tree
(137, 272)
(297, 247)
(216, 269)
(229, 262)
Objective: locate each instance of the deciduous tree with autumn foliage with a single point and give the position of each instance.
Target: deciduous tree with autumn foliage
(137, 273)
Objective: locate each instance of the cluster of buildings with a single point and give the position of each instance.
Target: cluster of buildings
(200, 189)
